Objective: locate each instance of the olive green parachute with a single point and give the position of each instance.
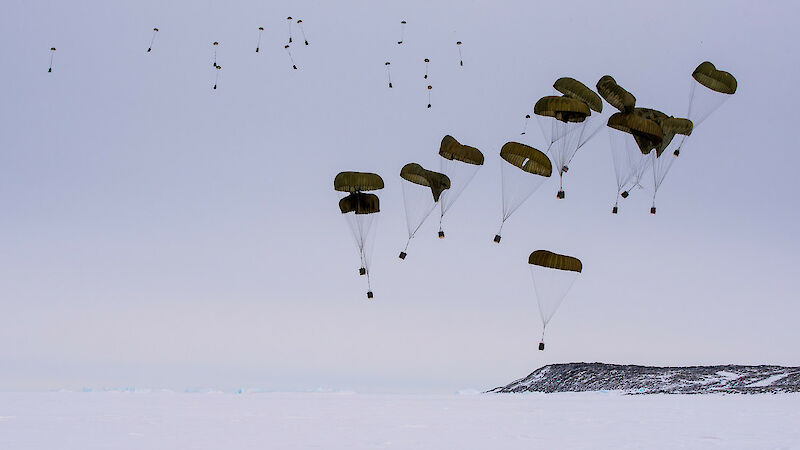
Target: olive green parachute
(360, 203)
(573, 88)
(672, 126)
(564, 109)
(438, 182)
(357, 181)
(648, 133)
(544, 258)
(716, 80)
(615, 94)
(526, 158)
(451, 149)
(649, 114)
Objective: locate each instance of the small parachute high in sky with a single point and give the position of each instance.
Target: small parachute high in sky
(360, 209)
(459, 163)
(402, 32)
(422, 190)
(214, 44)
(302, 30)
(152, 40)
(553, 276)
(525, 124)
(562, 120)
(388, 72)
(258, 43)
(289, 22)
(52, 55)
(427, 62)
(216, 76)
(460, 56)
(522, 171)
(429, 95)
(291, 59)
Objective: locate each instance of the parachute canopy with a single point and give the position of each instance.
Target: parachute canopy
(357, 181)
(716, 80)
(648, 133)
(615, 94)
(526, 158)
(438, 182)
(573, 88)
(544, 258)
(451, 149)
(564, 109)
(360, 203)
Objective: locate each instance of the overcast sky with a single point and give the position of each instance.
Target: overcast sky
(154, 232)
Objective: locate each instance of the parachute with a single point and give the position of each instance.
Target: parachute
(525, 124)
(615, 94)
(460, 56)
(360, 210)
(427, 62)
(215, 44)
(665, 154)
(459, 163)
(402, 31)
(216, 77)
(572, 88)
(562, 120)
(388, 72)
(422, 190)
(712, 89)
(258, 44)
(302, 30)
(429, 96)
(633, 136)
(289, 22)
(152, 39)
(522, 171)
(291, 59)
(52, 54)
(553, 275)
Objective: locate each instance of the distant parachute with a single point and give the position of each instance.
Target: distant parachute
(152, 40)
(429, 95)
(422, 190)
(258, 44)
(553, 275)
(525, 124)
(562, 120)
(216, 76)
(215, 44)
(388, 72)
(291, 59)
(459, 163)
(302, 30)
(52, 54)
(427, 61)
(360, 210)
(522, 171)
(402, 31)
(289, 22)
(460, 56)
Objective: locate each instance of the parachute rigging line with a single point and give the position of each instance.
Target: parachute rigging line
(402, 32)
(258, 44)
(289, 52)
(52, 54)
(302, 31)
(152, 40)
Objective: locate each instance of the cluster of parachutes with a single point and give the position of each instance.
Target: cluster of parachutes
(642, 139)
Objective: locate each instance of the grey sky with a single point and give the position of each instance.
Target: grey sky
(156, 233)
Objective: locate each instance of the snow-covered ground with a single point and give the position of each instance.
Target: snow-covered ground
(165, 420)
